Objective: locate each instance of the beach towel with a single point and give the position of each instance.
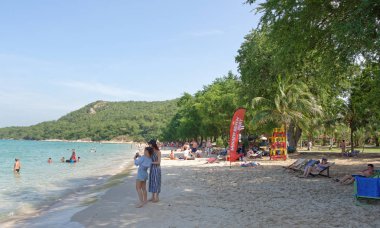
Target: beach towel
(251, 164)
(367, 187)
(211, 160)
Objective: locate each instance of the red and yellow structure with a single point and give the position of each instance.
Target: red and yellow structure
(278, 148)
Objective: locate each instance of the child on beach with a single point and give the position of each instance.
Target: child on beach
(172, 156)
(143, 162)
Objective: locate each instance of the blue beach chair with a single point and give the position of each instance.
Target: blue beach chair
(367, 187)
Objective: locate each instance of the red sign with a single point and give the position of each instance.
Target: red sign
(235, 128)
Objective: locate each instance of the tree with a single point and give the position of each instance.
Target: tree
(291, 105)
(208, 113)
(322, 44)
(333, 30)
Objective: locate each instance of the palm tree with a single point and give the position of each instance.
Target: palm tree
(291, 102)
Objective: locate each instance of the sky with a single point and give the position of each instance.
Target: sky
(57, 56)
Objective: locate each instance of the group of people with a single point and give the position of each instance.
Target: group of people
(315, 169)
(73, 158)
(345, 180)
(150, 160)
(191, 150)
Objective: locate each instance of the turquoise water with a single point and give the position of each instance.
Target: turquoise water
(40, 184)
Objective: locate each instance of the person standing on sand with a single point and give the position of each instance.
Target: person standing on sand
(309, 145)
(343, 146)
(144, 162)
(208, 148)
(155, 172)
(17, 166)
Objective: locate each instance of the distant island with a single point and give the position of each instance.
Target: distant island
(102, 121)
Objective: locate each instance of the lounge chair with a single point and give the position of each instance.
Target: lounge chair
(255, 155)
(325, 170)
(349, 153)
(297, 165)
(306, 164)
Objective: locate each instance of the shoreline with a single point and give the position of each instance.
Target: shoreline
(66, 205)
(75, 141)
(87, 141)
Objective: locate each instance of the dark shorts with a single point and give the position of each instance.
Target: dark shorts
(18, 170)
(194, 150)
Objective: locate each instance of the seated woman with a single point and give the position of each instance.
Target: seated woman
(171, 156)
(316, 169)
(349, 179)
(187, 155)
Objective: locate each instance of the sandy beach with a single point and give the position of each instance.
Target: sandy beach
(195, 194)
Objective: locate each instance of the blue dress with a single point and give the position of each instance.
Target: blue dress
(155, 176)
(144, 163)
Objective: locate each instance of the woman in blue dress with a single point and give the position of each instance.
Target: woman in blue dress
(144, 162)
(155, 172)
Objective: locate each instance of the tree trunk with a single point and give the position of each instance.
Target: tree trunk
(290, 135)
(377, 141)
(352, 137)
(297, 135)
(294, 133)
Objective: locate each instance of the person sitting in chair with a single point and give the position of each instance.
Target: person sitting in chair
(349, 179)
(315, 169)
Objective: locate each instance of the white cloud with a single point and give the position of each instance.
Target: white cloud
(103, 89)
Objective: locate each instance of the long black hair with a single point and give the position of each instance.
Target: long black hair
(154, 144)
(150, 150)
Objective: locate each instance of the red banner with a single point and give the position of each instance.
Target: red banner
(236, 126)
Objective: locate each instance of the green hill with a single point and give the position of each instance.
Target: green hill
(102, 120)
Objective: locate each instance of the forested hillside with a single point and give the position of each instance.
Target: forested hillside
(102, 120)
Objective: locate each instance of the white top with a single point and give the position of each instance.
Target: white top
(186, 153)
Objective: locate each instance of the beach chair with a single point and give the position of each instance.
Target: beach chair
(253, 155)
(350, 153)
(297, 165)
(306, 164)
(324, 172)
(376, 173)
(367, 187)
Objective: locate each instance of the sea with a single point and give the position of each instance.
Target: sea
(56, 189)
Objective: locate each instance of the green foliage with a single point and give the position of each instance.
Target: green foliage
(330, 46)
(334, 30)
(208, 113)
(292, 101)
(102, 120)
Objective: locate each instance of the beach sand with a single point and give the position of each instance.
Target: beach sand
(195, 194)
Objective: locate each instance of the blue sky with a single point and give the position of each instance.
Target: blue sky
(57, 56)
